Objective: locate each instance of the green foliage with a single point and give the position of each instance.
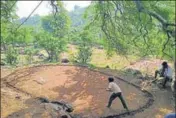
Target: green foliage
(84, 54)
(46, 23)
(84, 48)
(54, 46)
(127, 30)
(8, 15)
(11, 55)
(8, 11)
(56, 27)
(58, 23)
(30, 52)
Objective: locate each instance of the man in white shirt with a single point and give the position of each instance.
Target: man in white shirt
(173, 84)
(116, 92)
(166, 72)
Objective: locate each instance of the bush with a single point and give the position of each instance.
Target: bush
(84, 48)
(30, 52)
(52, 45)
(84, 54)
(12, 55)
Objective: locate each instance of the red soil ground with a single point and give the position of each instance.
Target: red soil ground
(83, 88)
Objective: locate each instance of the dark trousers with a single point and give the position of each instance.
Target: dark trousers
(115, 95)
(166, 79)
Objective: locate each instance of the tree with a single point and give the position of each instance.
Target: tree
(56, 27)
(58, 22)
(11, 55)
(22, 36)
(52, 45)
(8, 15)
(84, 47)
(137, 26)
(8, 11)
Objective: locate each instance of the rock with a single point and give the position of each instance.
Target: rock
(40, 80)
(65, 60)
(133, 71)
(18, 97)
(67, 107)
(136, 72)
(43, 100)
(107, 66)
(141, 77)
(44, 109)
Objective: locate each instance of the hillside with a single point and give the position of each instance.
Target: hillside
(75, 15)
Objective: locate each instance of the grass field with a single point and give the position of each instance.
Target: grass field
(98, 58)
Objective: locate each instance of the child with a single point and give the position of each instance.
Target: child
(116, 92)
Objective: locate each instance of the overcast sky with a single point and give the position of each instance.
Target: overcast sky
(26, 7)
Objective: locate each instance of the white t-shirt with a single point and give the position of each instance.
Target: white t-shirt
(114, 87)
(168, 72)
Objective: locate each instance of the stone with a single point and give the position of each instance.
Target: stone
(43, 100)
(107, 66)
(41, 80)
(18, 97)
(65, 60)
(133, 71)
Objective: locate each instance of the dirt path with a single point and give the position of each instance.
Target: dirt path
(163, 103)
(84, 88)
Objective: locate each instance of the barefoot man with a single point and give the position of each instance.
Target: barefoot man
(116, 92)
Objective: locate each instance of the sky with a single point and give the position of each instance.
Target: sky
(24, 8)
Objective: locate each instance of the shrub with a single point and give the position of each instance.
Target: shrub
(84, 48)
(30, 52)
(84, 54)
(12, 55)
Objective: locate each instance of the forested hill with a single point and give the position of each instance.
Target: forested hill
(32, 21)
(75, 15)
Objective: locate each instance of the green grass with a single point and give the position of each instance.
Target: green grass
(99, 58)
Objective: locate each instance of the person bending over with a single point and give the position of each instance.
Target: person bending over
(116, 92)
(164, 71)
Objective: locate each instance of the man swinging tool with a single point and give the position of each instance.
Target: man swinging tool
(116, 92)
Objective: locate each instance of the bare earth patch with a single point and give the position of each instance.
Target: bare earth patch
(83, 88)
